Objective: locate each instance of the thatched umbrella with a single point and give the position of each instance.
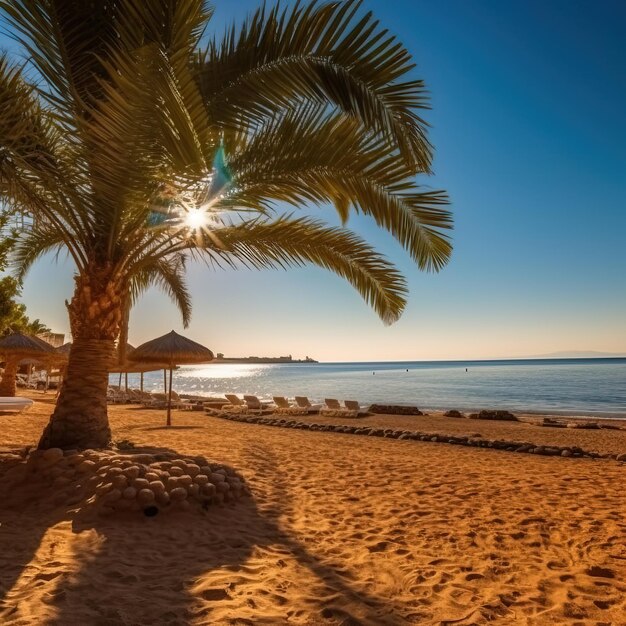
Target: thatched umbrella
(13, 349)
(173, 349)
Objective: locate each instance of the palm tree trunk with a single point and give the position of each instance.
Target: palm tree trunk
(7, 385)
(80, 418)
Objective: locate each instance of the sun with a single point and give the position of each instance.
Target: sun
(196, 219)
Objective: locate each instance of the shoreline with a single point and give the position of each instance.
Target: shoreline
(564, 414)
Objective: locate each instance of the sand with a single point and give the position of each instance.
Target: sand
(340, 529)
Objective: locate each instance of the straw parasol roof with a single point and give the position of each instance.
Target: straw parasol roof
(14, 348)
(23, 346)
(173, 349)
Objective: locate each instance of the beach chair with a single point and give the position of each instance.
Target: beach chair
(236, 404)
(148, 399)
(253, 404)
(115, 396)
(284, 406)
(332, 404)
(180, 403)
(15, 404)
(158, 401)
(353, 405)
(303, 403)
(334, 409)
(135, 396)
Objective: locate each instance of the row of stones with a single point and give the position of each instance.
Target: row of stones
(510, 446)
(134, 482)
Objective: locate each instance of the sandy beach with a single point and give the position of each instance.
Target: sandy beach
(339, 530)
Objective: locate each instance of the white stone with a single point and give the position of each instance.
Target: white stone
(86, 466)
(112, 496)
(178, 493)
(185, 481)
(192, 469)
(132, 471)
(119, 481)
(145, 496)
(130, 493)
(141, 483)
(52, 455)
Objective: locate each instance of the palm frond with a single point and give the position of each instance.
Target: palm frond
(312, 155)
(167, 274)
(317, 52)
(35, 176)
(287, 242)
(31, 245)
(65, 42)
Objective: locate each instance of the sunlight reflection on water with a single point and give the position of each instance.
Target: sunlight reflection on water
(222, 370)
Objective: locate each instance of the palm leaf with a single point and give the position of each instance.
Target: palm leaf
(316, 52)
(287, 242)
(312, 155)
(168, 275)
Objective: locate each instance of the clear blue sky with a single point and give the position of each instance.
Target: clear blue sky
(529, 125)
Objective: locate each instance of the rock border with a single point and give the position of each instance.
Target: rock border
(144, 480)
(390, 433)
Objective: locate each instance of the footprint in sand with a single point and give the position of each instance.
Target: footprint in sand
(213, 595)
(47, 576)
(600, 572)
(378, 547)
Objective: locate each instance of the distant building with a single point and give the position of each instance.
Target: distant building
(56, 340)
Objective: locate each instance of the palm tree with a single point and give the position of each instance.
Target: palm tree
(137, 144)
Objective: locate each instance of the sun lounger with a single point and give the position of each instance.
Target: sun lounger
(334, 409)
(332, 404)
(254, 404)
(116, 396)
(160, 401)
(284, 406)
(147, 399)
(353, 405)
(15, 405)
(156, 401)
(237, 405)
(180, 403)
(303, 403)
(135, 396)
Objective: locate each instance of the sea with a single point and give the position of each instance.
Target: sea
(577, 387)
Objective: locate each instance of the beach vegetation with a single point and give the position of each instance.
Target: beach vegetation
(13, 314)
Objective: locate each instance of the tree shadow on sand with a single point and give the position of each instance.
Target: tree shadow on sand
(25, 516)
(232, 564)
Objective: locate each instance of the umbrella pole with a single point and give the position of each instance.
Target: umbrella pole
(165, 381)
(141, 381)
(169, 402)
(119, 382)
(125, 381)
